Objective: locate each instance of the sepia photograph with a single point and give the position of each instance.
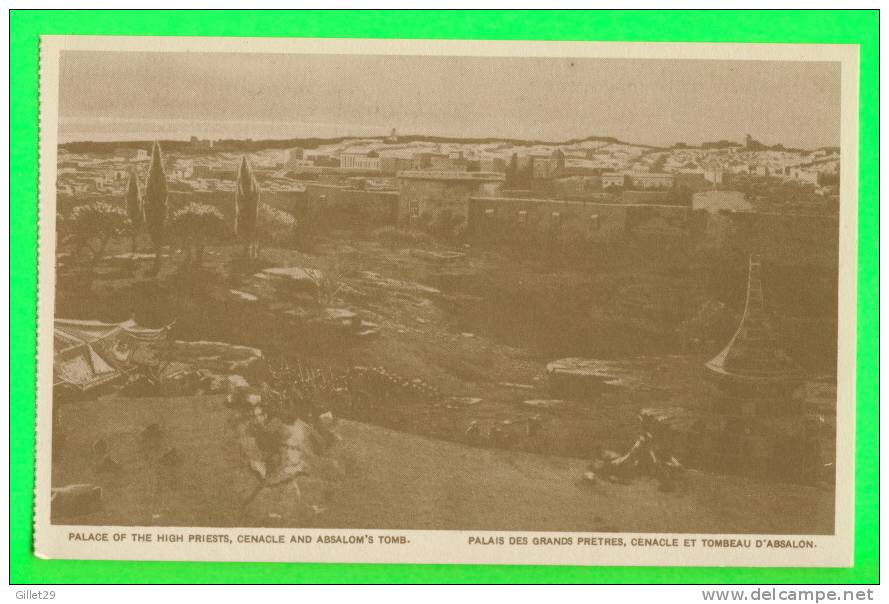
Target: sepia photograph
(446, 302)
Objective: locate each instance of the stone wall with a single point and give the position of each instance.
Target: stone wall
(786, 239)
(494, 218)
(430, 197)
(334, 205)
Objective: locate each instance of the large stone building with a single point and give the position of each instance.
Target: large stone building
(428, 160)
(424, 194)
(361, 161)
(637, 180)
(391, 164)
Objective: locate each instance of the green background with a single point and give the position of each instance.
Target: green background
(832, 27)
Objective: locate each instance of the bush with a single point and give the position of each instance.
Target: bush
(90, 227)
(194, 226)
(278, 227)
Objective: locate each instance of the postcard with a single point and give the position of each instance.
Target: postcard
(435, 301)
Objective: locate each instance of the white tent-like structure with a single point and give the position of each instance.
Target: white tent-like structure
(88, 354)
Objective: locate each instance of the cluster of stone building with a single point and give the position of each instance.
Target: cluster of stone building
(592, 191)
(565, 170)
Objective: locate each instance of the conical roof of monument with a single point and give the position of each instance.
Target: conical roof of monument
(754, 355)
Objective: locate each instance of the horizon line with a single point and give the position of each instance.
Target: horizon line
(342, 138)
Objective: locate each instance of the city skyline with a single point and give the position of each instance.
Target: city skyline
(334, 96)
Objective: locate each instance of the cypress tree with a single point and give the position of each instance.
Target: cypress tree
(155, 205)
(135, 211)
(247, 209)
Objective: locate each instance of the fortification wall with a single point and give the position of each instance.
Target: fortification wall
(340, 206)
(430, 197)
(518, 218)
(787, 239)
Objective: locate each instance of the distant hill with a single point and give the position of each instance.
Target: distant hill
(247, 145)
(250, 145)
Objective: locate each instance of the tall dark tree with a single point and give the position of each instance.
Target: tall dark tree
(512, 171)
(528, 174)
(155, 205)
(247, 210)
(135, 210)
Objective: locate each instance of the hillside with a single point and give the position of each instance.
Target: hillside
(380, 478)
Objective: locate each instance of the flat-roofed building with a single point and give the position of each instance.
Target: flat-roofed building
(613, 179)
(432, 161)
(637, 180)
(361, 161)
(425, 194)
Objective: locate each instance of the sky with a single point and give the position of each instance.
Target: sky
(108, 95)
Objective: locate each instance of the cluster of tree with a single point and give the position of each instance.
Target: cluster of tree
(720, 144)
(90, 227)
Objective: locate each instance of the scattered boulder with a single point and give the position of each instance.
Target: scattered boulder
(576, 377)
(545, 403)
(437, 257)
(178, 379)
(245, 296)
(348, 322)
(213, 382)
(326, 419)
(217, 357)
(236, 382)
(464, 401)
(240, 394)
(515, 385)
(259, 467)
(372, 279)
(294, 278)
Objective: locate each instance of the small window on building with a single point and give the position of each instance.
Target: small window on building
(414, 208)
(523, 216)
(557, 216)
(489, 213)
(595, 222)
